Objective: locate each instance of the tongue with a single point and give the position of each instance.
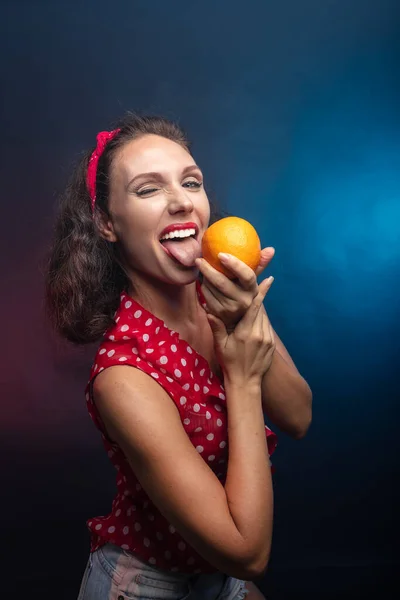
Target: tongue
(186, 251)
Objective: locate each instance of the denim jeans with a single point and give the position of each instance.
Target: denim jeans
(114, 574)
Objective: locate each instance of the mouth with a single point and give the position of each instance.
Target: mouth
(181, 245)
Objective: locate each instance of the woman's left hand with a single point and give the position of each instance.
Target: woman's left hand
(229, 299)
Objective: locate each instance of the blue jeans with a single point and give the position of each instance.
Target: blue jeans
(114, 574)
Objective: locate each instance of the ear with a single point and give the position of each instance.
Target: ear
(106, 228)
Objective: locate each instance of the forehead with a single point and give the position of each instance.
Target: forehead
(151, 153)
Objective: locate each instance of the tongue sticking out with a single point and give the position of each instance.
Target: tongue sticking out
(185, 251)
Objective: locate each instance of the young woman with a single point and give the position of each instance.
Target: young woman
(184, 428)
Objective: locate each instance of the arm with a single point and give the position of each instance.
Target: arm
(286, 396)
(229, 527)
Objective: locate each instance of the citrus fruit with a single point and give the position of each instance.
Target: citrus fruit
(235, 236)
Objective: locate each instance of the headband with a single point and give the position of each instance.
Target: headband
(102, 140)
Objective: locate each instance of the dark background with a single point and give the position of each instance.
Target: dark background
(294, 111)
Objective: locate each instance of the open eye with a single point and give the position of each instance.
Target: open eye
(193, 183)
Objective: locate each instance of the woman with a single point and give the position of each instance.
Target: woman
(192, 516)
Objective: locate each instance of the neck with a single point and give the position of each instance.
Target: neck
(174, 304)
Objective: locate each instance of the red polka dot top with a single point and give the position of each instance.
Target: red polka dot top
(138, 338)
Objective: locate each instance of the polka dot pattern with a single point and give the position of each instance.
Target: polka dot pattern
(141, 340)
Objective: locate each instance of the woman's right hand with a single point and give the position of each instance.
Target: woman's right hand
(245, 354)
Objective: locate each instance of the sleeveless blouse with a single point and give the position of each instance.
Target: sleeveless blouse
(139, 339)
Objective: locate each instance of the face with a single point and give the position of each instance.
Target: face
(155, 183)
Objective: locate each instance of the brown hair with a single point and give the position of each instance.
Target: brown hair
(84, 275)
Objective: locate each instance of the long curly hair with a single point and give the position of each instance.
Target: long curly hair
(84, 274)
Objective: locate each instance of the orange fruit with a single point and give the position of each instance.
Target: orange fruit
(235, 236)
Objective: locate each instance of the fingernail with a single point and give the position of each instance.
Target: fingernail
(223, 256)
(271, 279)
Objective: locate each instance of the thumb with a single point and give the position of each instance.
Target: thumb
(217, 326)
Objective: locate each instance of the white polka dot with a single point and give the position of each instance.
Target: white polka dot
(135, 351)
(159, 536)
(146, 337)
(182, 546)
(98, 527)
(161, 343)
(152, 560)
(173, 348)
(219, 422)
(125, 546)
(186, 386)
(126, 337)
(111, 529)
(111, 337)
(177, 373)
(199, 448)
(149, 350)
(155, 375)
(217, 407)
(90, 523)
(101, 369)
(208, 415)
(198, 429)
(210, 436)
(163, 370)
(163, 360)
(157, 329)
(137, 314)
(102, 351)
(209, 382)
(171, 528)
(222, 445)
(202, 372)
(111, 353)
(138, 526)
(196, 387)
(205, 389)
(196, 407)
(221, 395)
(146, 542)
(167, 555)
(110, 453)
(169, 379)
(191, 374)
(122, 359)
(182, 400)
(150, 517)
(128, 304)
(211, 457)
(129, 512)
(189, 349)
(196, 362)
(118, 512)
(125, 530)
(124, 328)
(186, 421)
(148, 322)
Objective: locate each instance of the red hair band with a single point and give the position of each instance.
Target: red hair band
(102, 140)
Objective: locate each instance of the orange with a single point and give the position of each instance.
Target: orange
(235, 236)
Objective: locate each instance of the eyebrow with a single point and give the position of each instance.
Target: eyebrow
(155, 175)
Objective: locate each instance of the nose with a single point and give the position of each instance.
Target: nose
(180, 201)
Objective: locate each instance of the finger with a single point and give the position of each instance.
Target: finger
(246, 276)
(211, 296)
(267, 254)
(218, 329)
(251, 314)
(226, 287)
